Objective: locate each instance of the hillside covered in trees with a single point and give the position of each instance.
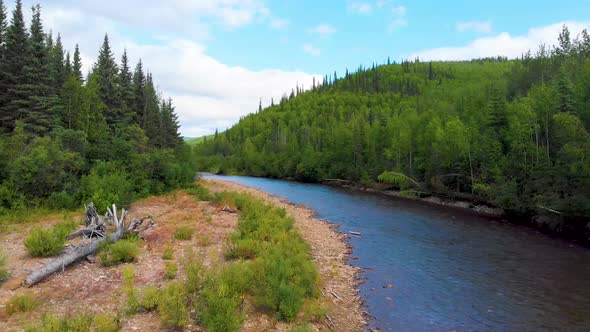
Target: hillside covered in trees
(513, 133)
(67, 138)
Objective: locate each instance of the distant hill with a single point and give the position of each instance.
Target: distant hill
(514, 133)
(198, 140)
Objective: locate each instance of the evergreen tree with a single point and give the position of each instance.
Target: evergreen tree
(68, 66)
(566, 94)
(126, 90)
(150, 116)
(57, 69)
(35, 113)
(139, 93)
(77, 65)
(12, 69)
(106, 72)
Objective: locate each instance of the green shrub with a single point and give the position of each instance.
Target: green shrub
(122, 251)
(201, 192)
(171, 270)
(314, 310)
(62, 200)
(107, 184)
(149, 298)
(21, 303)
(132, 304)
(280, 259)
(79, 323)
(220, 305)
(49, 242)
(183, 233)
(172, 307)
(168, 254)
(4, 273)
(194, 277)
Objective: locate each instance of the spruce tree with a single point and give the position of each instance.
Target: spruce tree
(12, 99)
(36, 113)
(57, 68)
(126, 89)
(68, 66)
(138, 93)
(106, 72)
(77, 65)
(150, 115)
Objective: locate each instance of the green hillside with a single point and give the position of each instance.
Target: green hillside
(513, 133)
(198, 140)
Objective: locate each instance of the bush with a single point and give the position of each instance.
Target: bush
(171, 270)
(183, 233)
(4, 274)
(168, 254)
(280, 259)
(107, 184)
(201, 192)
(49, 242)
(172, 307)
(149, 298)
(122, 251)
(80, 323)
(21, 303)
(314, 310)
(62, 200)
(220, 305)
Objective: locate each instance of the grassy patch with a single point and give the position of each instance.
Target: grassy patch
(21, 303)
(183, 233)
(171, 270)
(4, 273)
(78, 323)
(122, 251)
(49, 242)
(168, 254)
(172, 306)
(285, 274)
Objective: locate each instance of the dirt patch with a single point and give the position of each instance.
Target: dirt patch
(330, 251)
(90, 288)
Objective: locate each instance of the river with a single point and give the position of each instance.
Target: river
(449, 270)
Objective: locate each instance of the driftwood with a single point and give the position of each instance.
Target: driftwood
(95, 226)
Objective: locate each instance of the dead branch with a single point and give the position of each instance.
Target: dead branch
(95, 226)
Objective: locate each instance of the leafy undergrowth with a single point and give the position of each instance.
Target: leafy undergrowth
(77, 323)
(4, 273)
(21, 303)
(51, 241)
(268, 262)
(122, 251)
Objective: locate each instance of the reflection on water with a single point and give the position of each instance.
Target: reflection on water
(451, 270)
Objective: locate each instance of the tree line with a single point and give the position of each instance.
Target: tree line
(512, 133)
(66, 137)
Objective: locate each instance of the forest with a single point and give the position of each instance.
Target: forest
(510, 133)
(67, 138)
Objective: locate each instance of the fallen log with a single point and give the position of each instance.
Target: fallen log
(82, 251)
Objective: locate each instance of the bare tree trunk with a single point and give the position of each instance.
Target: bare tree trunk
(94, 222)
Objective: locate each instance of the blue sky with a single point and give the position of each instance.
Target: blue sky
(365, 37)
(218, 58)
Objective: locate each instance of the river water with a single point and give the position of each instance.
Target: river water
(450, 270)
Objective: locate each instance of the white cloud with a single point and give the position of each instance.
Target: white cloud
(323, 30)
(480, 27)
(278, 23)
(503, 44)
(399, 11)
(361, 7)
(207, 93)
(311, 50)
(398, 17)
